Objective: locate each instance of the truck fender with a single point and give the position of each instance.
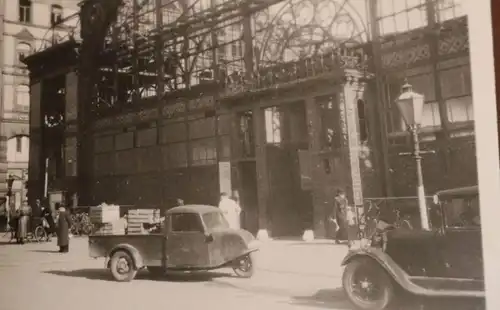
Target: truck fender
(386, 262)
(134, 253)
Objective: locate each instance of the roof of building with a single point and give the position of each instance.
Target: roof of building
(193, 209)
(458, 192)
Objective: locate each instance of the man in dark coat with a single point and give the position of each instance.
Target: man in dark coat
(63, 226)
(340, 210)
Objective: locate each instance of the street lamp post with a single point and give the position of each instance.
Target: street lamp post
(410, 105)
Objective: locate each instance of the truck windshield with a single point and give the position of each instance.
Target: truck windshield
(215, 220)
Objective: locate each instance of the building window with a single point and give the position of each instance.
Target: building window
(25, 11)
(23, 50)
(246, 137)
(329, 114)
(23, 97)
(55, 14)
(19, 144)
(273, 118)
(362, 121)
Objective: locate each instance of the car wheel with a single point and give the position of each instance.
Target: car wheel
(367, 285)
(244, 266)
(122, 267)
(155, 271)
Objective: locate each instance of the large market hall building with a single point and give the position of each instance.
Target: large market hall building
(282, 101)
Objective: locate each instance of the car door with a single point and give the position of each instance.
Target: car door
(186, 245)
(462, 240)
(463, 247)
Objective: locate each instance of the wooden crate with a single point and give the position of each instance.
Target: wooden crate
(117, 228)
(104, 214)
(136, 229)
(143, 216)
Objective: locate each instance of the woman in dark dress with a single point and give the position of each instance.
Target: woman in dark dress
(63, 226)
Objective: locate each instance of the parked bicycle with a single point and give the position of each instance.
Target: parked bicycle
(81, 225)
(36, 232)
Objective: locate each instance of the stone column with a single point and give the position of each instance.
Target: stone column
(262, 175)
(350, 91)
(70, 133)
(36, 166)
(314, 129)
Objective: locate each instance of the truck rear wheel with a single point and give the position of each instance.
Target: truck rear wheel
(122, 267)
(244, 267)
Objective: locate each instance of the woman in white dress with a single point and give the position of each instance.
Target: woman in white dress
(231, 210)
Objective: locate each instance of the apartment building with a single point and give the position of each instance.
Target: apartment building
(27, 26)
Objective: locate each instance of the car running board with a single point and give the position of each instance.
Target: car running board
(451, 287)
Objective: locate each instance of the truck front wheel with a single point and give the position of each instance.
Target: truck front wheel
(122, 267)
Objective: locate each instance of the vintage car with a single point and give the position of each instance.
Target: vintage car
(192, 238)
(445, 261)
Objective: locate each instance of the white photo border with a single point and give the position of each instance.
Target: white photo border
(486, 128)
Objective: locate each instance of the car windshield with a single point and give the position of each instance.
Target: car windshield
(215, 220)
(462, 212)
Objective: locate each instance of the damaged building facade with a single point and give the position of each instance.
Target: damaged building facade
(282, 101)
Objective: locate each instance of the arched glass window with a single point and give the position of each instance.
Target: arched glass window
(25, 11)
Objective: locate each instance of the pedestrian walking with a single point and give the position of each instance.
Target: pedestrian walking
(231, 210)
(63, 226)
(340, 210)
(23, 221)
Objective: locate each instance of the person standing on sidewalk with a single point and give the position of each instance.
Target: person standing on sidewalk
(231, 210)
(63, 225)
(340, 209)
(22, 226)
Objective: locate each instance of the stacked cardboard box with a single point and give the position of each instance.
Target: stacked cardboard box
(137, 218)
(104, 214)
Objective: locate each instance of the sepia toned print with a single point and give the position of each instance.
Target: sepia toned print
(280, 153)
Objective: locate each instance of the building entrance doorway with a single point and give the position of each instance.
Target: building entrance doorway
(248, 196)
(290, 206)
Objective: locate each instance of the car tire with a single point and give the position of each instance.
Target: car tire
(244, 266)
(372, 274)
(122, 267)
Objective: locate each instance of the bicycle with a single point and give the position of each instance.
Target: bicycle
(81, 224)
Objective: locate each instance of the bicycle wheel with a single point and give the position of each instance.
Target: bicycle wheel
(87, 229)
(40, 234)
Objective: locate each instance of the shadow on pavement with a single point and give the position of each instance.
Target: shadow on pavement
(325, 299)
(105, 275)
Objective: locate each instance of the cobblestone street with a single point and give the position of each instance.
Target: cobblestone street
(290, 274)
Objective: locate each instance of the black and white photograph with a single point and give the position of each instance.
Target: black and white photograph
(247, 154)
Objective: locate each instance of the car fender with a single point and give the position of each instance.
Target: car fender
(134, 253)
(387, 263)
(401, 277)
